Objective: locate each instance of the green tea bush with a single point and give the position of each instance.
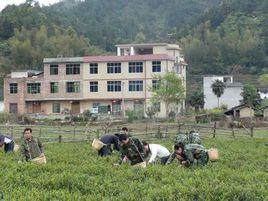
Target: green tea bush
(75, 172)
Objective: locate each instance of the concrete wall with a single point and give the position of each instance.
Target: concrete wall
(230, 97)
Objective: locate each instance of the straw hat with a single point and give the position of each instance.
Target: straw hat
(97, 144)
(40, 160)
(213, 154)
(140, 165)
(16, 148)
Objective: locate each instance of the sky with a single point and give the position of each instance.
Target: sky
(4, 3)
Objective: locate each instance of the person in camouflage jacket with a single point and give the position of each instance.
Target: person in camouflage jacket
(189, 155)
(131, 149)
(192, 138)
(31, 147)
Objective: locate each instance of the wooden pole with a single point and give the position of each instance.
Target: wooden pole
(74, 132)
(251, 131)
(166, 133)
(60, 138)
(232, 127)
(214, 129)
(158, 132)
(11, 131)
(146, 128)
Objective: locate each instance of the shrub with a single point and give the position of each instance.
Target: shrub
(130, 115)
(216, 114)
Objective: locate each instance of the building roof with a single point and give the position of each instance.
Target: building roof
(262, 89)
(150, 57)
(141, 44)
(238, 107)
(234, 84)
(63, 60)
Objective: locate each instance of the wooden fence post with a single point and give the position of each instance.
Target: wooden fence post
(40, 132)
(232, 127)
(60, 138)
(166, 132)
(158, 132)
(11, 132)
(146, 128)
(214, 129)
(74, 133)
(251, 131)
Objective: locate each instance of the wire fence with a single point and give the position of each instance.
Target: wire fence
(145, 131)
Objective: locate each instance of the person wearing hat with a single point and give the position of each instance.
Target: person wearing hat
(7, 142)
(156, 152)
(109, 141)
(31, 147)
(189, 155)
(132, 149)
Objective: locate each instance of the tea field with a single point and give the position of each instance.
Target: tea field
(74, 172)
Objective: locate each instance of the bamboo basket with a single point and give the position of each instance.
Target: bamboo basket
(140, 165)
(97, 144)
(40, 160)
(213, 154)
(16, 148)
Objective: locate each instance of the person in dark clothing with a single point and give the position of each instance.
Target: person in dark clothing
(109, 141)
(7, 142)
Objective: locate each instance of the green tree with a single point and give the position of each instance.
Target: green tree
(251, 97)
(196, 100)
(218, 89)
(169, 90)
(263, 79)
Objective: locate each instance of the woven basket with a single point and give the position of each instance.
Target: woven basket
(97, 144)
(40, 160)
(140, 165)
(16, 148)
(213, 154)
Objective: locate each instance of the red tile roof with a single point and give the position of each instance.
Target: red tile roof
(150, 57)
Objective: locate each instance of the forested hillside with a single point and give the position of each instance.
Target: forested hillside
(217, 36)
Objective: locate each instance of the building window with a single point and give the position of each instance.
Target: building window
(33, 88)
(13, 108)
(113, 86)
(155, 84)
(72, 87)
(93, 68)
(13, 88)
(156, 66)
(72, 69)
(135, 67)
(93, 86)
(54, 69)
(54, 87)
(136, 85)
(56, 107)
(113, 68)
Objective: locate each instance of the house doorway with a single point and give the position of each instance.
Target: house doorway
(75, 107)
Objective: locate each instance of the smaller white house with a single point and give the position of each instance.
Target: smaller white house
(231, 96)
(263, 92)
